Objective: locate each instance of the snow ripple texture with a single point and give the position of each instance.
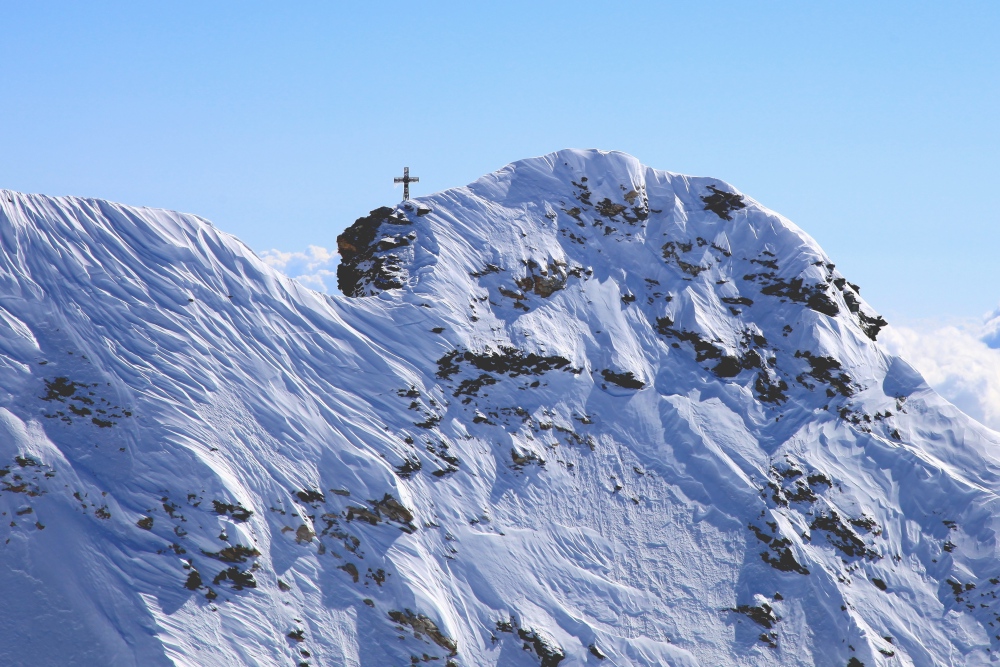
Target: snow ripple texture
(579, 412)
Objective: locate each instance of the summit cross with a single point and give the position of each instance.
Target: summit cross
(406, 180)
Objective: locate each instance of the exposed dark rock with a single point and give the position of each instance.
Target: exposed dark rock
(471, 386)
(310, 496)
(813, 296)
(170, 508)
(867, 524)
(731, 366)
(367, 265)
(763, 615)
(386, 509)
(770, 390)
(609, 209)
(408, 467)
(506, 360)
(543, 286)
(789, 471)
(584, 195)
(760, 534)
(851, 299)
(422, 625)
(842, 536)
(240, 579)
(545, 280)
(818, 478)
(766, 263)
(60, 388)
(727, 368)
(235, 511)
(549, 653)
(234, 554)
(826, 370)
(671, 254)
(351, 569)
(871, 325)
(430, 422)
(958, 589)
(800, 493)
(378, 575)
(781, 557)
(703, 348)
(722, 203)
(304, 534)
(362, 514)
(626, 380)
(193, 582)
(393, 510)
(485, 271)
(522, 460)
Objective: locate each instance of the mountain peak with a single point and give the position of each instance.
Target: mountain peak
(698, 262)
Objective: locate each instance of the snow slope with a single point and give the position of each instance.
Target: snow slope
(580, 411)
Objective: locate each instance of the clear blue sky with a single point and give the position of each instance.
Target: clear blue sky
(871, 125)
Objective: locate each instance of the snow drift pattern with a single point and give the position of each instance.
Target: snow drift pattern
(578, 411)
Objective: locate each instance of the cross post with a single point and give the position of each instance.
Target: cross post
(406, 180)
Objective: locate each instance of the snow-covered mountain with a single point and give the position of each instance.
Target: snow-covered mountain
(579, 412)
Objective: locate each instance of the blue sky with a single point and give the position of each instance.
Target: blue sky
(871, 125)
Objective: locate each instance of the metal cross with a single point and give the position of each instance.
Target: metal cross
(406, 180)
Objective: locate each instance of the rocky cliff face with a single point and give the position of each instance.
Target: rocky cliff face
(579, 412)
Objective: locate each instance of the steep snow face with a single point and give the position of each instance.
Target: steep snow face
(578, 411)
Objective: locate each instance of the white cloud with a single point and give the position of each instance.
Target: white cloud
(956, 361)
(316, 268)
(991, 330)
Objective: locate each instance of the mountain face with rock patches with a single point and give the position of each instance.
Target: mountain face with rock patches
(579, 412)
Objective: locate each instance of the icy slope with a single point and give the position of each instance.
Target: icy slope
(578, 412)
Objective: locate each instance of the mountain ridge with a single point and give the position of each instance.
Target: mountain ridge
(390, 468)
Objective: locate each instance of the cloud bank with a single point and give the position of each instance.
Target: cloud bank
(960, 361)
(316, 268)
(991, 330)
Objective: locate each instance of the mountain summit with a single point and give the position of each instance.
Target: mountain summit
(578, 412)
